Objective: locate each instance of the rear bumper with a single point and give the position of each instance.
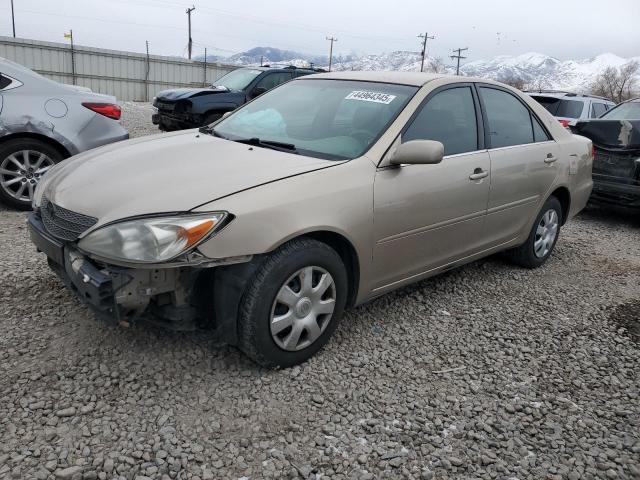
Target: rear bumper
(618, 193)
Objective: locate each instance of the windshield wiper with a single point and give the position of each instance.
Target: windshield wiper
(281, 146)
(272, 144)
(210, 131)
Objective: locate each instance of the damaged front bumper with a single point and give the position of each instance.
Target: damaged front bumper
(161, 295)
(176, 121)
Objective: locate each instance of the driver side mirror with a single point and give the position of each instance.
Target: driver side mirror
(256, 92)
(418, 152)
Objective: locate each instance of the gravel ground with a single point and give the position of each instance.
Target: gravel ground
(488, 371)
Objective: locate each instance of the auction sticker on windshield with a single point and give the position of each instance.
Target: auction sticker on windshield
(365, 96)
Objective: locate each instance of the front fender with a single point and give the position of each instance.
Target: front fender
(336, 199)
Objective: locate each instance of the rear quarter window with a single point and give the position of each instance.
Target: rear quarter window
(4, 82)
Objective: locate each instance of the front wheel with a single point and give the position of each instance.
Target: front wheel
(292, 304)
(542, 238)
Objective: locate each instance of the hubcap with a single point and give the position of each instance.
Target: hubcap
(21, 171)
(546, 234)
(303, 308)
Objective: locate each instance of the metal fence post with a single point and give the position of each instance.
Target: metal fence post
(146, 76)
(73, 60)
(204, 84)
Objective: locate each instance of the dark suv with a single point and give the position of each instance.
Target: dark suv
(193, 107)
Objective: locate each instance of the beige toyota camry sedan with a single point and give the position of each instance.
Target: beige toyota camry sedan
(317, 196)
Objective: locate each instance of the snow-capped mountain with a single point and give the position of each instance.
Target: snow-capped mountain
(544, 71)
(270, 55)
(536, 69)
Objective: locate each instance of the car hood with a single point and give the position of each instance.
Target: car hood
(166, 173)
(182, 93)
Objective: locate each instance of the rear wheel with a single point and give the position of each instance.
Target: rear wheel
(542, 238)
(23, 162)
(292, 304)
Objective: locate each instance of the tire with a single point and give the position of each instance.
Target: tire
(210, 118)
(259, 305)
(527, 255)
(11, 157)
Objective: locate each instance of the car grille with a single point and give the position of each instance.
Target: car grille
(62, 223)
(166, 106)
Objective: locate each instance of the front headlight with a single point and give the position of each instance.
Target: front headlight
(151, 240)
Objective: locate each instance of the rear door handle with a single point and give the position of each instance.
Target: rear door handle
(550, 158)
(479, 174)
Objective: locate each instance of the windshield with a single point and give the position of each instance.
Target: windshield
(624, 111)
(561, 108)
(334, 119)
(237, 79)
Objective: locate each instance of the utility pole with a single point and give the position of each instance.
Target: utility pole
(189, 10)
(13, 20)
(459, 57)
(331, 39)
(424, 37)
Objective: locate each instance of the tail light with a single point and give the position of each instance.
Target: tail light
(564, 123)
(593, 152)
(109, 110)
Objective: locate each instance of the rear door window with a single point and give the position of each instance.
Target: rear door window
(539, 133)
(272, 80)
(509, 121)
(448, 117)
(598, 109)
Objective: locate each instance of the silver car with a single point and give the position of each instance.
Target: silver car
(570, 108)
(43, 122)
(321, 194)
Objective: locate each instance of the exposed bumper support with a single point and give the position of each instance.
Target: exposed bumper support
(118, 293)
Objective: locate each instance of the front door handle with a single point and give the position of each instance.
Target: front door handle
(550, 158)
(479, 174)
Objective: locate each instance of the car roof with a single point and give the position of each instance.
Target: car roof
(563, 94)
(293, 68)
(416, 79)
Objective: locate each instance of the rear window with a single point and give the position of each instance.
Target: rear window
(624, 111)
(559, 107)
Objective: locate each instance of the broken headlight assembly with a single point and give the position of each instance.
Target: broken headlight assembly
(151, 240)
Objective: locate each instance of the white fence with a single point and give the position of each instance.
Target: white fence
(127, 75)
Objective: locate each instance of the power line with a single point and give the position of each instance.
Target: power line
(331, 39)
(459, 57)
(189, 10)
(273, 21)
(424, 37)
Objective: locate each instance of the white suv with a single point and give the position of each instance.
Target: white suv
(569, 108)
